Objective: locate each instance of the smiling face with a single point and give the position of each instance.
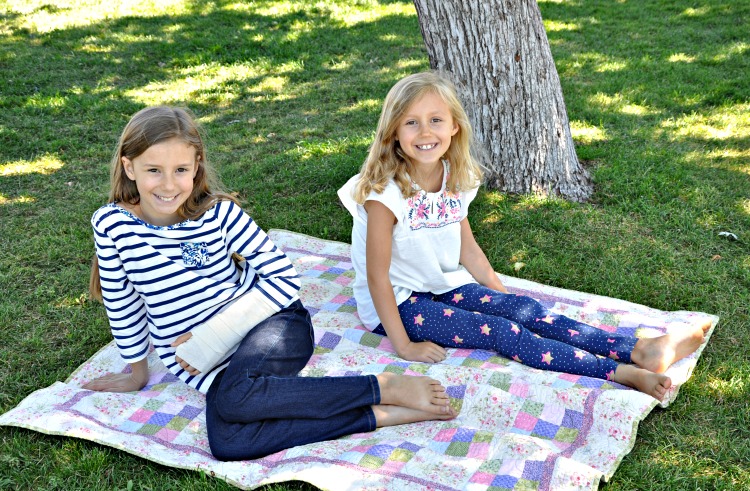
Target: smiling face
(164, 176)
(425, 130)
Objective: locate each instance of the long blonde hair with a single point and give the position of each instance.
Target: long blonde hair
(386, 160)
(149, 127)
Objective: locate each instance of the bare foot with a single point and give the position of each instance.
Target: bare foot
(657, 354)
(387, 415)
(421, 393)
(653, 384)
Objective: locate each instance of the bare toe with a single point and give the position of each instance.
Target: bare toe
(420, 393)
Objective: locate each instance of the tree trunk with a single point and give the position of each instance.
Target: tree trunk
(497, 54)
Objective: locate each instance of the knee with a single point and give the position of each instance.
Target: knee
(227, 445)
(530, 308)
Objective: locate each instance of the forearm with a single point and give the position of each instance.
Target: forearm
(387, 309)
(212, 340)
(476, 262)
(486, 276)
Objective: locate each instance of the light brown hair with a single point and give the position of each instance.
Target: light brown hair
(149, 127)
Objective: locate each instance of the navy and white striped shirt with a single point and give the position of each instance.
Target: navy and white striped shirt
(160, 282)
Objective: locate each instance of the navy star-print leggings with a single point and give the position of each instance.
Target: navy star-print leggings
(515, 326)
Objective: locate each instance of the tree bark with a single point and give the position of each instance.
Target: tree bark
(497, 54)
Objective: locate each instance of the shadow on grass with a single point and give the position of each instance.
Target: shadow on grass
(286, 69)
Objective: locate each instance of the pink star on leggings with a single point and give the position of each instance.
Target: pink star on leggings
(547, 358)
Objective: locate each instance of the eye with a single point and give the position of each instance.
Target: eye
(410, 122)
(437, 120)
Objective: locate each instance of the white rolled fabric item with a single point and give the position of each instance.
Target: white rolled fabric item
(212, 340)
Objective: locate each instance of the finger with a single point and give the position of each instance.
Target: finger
(178, 341)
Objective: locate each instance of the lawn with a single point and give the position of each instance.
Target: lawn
(289, 93)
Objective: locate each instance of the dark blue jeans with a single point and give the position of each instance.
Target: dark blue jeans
(258, 405)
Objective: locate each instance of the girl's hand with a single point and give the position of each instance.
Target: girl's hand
(115, 382)
(122, 382)
(185, 365)
(425, 351)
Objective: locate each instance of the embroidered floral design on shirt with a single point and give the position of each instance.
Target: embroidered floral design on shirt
(194, 254)
(433, 210)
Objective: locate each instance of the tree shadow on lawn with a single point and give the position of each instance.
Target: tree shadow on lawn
(299, 76)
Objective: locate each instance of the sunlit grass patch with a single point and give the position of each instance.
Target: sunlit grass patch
(4, 200)
(48, 15)
(721, 124)
(554, 26)
(584, 133)
(46, 164)
(681, 58)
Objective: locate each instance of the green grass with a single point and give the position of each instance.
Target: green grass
(289, 93)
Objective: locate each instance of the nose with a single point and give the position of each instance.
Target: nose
(168, 181)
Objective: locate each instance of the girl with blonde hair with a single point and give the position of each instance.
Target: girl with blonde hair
(422, 279)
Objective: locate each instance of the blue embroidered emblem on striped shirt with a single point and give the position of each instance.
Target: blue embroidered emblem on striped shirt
(194, 254)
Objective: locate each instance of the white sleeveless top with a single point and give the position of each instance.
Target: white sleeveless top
(426, 242)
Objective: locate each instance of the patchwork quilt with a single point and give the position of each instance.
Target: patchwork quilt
(518, 427)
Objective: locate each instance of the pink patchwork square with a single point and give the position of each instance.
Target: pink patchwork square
(384, 360)
(342, 280)
(482, 478)
(512, 467)
(462, 353)
(340, 299)
(167, 434)
(479, 451)
(520, 390)
(141, 416)
(605, 327)
(445, 435)
(392, 466)
(320, 267)
(569, 377)
(553, 413)
(525, 421)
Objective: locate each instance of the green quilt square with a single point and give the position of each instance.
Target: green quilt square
(149, 429)
(457, 449)
(153, 404)
(371, 462)
(178, 423)
(533, 408)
